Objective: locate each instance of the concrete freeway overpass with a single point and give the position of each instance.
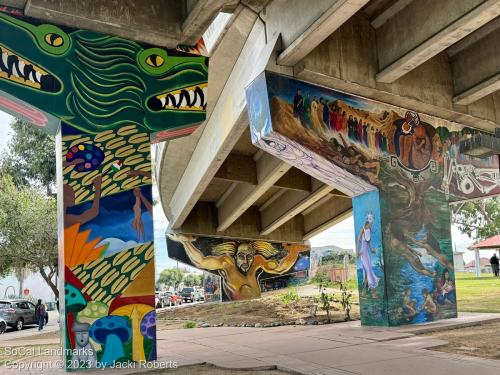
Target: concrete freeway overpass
(438, 58)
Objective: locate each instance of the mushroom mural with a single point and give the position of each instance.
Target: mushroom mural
(136, 314)
(148, 330)
(93, 311)
(112, 332)
(74, 302)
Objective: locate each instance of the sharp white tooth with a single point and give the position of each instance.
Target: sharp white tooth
(191, 96)
(183, 102)
(167, 101)
(205, 89)
(14, 71)
(197, 103)
(176, 100)
(38, 76)
(32, 76)
(4, 59)
(21, 67)
(162, 102)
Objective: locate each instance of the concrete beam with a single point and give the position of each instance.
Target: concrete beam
(289, 205)
(269, 170)
(158, 23)
(425, 28)
(228, 120)
(202, 221)
(240, 168)
(295, 179)
(200, 16)
(177, 155)
(389, 12)
(476, 69)
(243, 168)
(19, 4)
(331, 19)
(347, 61)
(331, 211)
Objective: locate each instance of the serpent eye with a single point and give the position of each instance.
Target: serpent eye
(54, 40)
(155, 61)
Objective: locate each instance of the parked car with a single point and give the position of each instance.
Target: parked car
(173, 298)
(160, 301)
(18, 312)
(191, 294)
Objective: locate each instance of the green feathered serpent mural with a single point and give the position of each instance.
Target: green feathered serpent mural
(95, 82)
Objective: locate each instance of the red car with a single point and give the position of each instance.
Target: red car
(173, 298)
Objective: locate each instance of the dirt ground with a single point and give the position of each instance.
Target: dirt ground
(478, 341)
(269, 309)
(212, 370)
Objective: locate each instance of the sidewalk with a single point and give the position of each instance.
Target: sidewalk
(338, 349)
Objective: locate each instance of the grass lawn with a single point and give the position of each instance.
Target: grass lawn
(478, 294)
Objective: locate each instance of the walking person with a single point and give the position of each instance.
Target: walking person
(494, 264)
(40, 314)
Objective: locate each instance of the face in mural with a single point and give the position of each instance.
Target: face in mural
(244, 257)
(94, 81)
(238, 263)
(415, 166)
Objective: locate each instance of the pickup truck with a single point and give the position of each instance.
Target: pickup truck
(189, 294)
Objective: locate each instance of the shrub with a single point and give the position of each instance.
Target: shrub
(290, 296)
(190, 325)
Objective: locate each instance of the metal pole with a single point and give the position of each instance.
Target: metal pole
(478, 263)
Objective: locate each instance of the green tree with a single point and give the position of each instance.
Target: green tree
(193, 279)
(171, 277)
(30, 158)
(480, 218)
(28, 231)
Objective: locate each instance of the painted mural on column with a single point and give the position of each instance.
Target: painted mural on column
(241, 264)
(370, 258)
(413, 160)
(107, 98)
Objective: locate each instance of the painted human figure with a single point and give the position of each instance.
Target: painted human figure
(298, 104)
(409, 305)
(421, 149)
(370, 280)
(69, 201)
(84, 355)
(239, 263)
(429, 305)
(445, 291)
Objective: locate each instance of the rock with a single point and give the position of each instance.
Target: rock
(267, 325)
(204, 325)
(258, 325)
(300, 322)
(276, 324)
(312, 322)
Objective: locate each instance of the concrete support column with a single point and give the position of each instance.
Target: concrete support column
(402, 169)
(478, 263)
(106, 246)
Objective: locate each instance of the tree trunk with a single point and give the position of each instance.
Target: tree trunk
(48, 280)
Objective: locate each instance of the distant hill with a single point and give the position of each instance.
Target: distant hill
(330, 254)
(331, 248)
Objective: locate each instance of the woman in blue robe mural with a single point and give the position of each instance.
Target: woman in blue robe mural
(370, 280)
